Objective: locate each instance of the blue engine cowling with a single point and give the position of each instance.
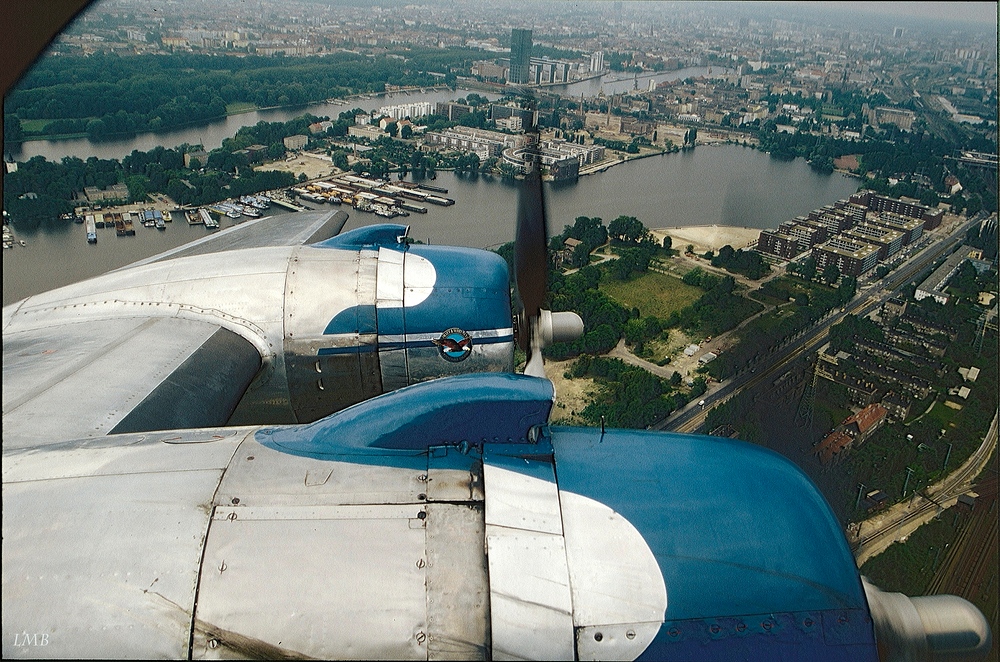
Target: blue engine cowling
(367, 313)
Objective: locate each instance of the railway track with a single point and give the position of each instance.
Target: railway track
(902, 519)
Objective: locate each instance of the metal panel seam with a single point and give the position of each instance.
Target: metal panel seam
(204, 541)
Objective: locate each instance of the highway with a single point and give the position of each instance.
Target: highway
(871, 295)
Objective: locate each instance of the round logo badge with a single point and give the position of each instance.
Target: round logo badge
(455, 345)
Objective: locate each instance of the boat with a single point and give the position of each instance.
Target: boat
(412, 207)
(128, 225)
(193, 217)
(208, 220)
(161, 224)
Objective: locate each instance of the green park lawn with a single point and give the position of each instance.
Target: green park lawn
(240, 107)
(33, 126)
(652, 293)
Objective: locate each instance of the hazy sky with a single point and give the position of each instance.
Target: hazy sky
(979, 12)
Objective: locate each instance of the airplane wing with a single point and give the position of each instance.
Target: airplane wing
(440, 521)
(283, 230)
(92, 377)
(98, 360)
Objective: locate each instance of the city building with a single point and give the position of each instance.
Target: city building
(808, 233)
(884, 115)
(543, 70)
(369, 131)
(404, 110)
(485, 143)
(911, 228)
(197, 154)
(451, 110)
(778, 243)
(889, 241)
(490, 71)
(853, 258)
(500, 112)
(520, 56)
(319, 127)
(561, 159)
(855, 430)
(510, 123)
(834, 220)
(792, 238)
(597, 61)
(115, 192)
(295, 142)
(912, 209)
(934, 286)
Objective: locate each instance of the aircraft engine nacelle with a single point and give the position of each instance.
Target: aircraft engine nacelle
(366, 313)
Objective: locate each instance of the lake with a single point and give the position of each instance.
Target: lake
(722, 185)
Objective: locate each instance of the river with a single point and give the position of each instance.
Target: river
(212, 134)
(720, 185)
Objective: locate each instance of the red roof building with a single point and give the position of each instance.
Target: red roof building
(855, 428)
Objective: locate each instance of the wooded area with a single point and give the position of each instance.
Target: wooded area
(105, 95)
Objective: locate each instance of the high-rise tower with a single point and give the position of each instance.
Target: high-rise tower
(520, 56)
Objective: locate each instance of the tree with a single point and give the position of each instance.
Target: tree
(96, 129)
(137, 187)
(407, 132)
(12, 132)
(667, 242)
(339, 159)
(627, 230)
(808, 268)
(581, 255)
(847, 289)
(392, 129)
(831, 273)
(589, 230)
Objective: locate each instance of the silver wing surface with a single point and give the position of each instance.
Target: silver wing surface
(170, 342)
(122, 374)
(282, 230)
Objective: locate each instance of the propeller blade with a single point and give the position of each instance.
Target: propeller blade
(535, 327)
(531, 242)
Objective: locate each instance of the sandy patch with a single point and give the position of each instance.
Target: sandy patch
(312, 166)
(707, 237)
(572, 395)
(847, 162)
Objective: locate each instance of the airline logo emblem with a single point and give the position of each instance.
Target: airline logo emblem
(455, 345)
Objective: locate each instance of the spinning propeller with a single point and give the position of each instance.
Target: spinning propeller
(536, 327)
